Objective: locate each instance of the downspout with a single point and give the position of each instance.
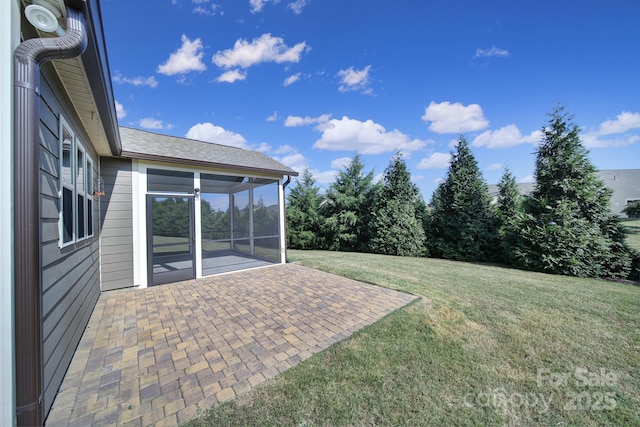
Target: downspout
(284, 195)
(28, 58)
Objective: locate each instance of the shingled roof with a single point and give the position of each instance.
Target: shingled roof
(139, 144)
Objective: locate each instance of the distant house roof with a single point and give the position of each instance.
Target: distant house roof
(138, 144)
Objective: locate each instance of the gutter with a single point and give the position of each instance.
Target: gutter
(29, 56)
(203, 163)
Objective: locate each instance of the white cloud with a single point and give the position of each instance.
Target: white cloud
(291, 157)
(257, 5)
(136, 81)
(273, 117)
(324, 177)
(151, 123)
(284, 149)
(200, 8)
(292, 79)
(187, 58)
(263, 147)
(211, 133)
(266, 48)
(492, 52)
(121, 113)
(231, 76)
(592, 140)
(435, 161)
(297, 6)
(527, 179)
(297, 121)
(454, 118)
(494, 166)
(355, 80)
(624, 121)
(364, 137)
(505, 137)
(340, 163)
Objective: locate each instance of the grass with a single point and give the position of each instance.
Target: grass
(484, 346)
(633, 229)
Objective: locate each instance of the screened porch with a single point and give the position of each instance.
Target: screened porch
(202, 224)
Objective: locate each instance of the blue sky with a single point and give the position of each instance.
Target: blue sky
(312, 82)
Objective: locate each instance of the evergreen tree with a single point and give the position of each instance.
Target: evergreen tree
(347, 208)
(304, 221)
(509, 198)
(566, 227)
(265, 219)
(632, 209)
(396, 228)
(462, 225)
(508, 205)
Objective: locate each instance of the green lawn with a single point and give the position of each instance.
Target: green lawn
(486, 345)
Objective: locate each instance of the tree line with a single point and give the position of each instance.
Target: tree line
(563, 227)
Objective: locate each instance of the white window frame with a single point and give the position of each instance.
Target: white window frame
(65, 130)
(80, 174)
(89, 178)
(84, 190)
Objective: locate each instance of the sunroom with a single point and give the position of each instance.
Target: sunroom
(195, 208)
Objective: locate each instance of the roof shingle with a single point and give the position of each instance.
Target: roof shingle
(139, 144)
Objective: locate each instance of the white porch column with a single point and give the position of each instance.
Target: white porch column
(197, 246)
(252, 248)
(139, 213)
(231, 221)
(283, 229)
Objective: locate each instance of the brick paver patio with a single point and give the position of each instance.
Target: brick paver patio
(155, 356)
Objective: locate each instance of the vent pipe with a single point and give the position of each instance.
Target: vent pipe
(28, 58)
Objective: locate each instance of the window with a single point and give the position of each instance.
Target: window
(76, 188)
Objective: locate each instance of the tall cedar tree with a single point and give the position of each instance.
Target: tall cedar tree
(462, 225)
(347, 208)
(567, 227)
(508, 205)
(304, 222)
(396, 227)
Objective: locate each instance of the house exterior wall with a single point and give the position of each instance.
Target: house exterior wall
(70, 276)
(9, 39)
(625, 184)
(116, 224)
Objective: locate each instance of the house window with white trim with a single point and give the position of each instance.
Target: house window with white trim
(76, 188)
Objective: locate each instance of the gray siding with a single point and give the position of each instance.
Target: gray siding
(625, 184)
(69, 276)
(116, 224)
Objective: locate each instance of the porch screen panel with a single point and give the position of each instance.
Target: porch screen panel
(241, 222)
(266, 221)
(215, 222)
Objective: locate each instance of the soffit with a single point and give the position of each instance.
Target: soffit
(76, 81)
(76, 84)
